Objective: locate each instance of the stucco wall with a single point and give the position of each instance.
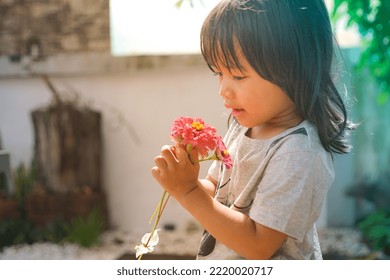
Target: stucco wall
(148, 101)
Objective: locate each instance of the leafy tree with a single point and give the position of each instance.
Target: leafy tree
(180, 2)
(372, 19)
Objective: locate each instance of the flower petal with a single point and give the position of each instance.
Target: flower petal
(143, 248)
(140, 249)
(153, 240)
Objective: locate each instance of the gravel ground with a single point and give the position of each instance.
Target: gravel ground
(343, 243)
(337, 243)
(114, 245)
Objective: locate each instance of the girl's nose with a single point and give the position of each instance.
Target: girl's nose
(225, 90)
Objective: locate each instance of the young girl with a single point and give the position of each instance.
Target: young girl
(273, 59)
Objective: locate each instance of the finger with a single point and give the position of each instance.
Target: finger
(183, 157)
(194, 158)
(169, 148)
(160, 162)
(168, 155)
(166, 147)
(179, 146)
(156, 172)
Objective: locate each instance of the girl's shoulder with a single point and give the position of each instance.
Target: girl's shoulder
(301, 138)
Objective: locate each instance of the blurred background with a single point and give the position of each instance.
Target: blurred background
(89, 90)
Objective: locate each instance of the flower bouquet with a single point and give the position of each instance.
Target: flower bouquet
(192, 133)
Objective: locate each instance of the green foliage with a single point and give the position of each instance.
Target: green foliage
(376, 229)
(17, 231)
(24, 180)
(85, 231)
(372, 19)
(179, 3)
(55, 232)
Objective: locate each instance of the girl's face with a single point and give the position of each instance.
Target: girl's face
(255, 102)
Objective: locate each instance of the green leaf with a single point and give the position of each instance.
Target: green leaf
(179, 3)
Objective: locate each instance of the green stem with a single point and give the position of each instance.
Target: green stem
(161, 206)
(158, 207)
(165, 204)
(159, 210)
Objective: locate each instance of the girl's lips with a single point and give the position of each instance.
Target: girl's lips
(236, 112)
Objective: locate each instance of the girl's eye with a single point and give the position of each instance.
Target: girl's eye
(238, 78)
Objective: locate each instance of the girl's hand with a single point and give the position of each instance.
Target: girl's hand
(176, 171)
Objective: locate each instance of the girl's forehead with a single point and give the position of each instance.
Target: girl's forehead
(225, 58)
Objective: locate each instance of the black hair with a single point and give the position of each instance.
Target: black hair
(289, 43)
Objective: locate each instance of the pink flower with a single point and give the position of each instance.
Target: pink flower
(194, 132)
(222, 153)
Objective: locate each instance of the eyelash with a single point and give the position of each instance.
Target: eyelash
(236, 78)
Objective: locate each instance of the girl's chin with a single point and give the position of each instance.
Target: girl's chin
(245, 122)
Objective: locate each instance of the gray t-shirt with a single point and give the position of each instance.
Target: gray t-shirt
(280, 183)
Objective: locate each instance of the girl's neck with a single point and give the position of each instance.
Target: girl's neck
(269, 130)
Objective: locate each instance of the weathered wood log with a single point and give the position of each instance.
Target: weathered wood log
(68, 146)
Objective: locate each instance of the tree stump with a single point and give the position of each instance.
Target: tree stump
(68, 147)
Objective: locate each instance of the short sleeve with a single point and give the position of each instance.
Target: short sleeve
(214, 170)
(291, 192)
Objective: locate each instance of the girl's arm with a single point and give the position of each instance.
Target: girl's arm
(234, 229)
(177, 175)
(208, 184)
